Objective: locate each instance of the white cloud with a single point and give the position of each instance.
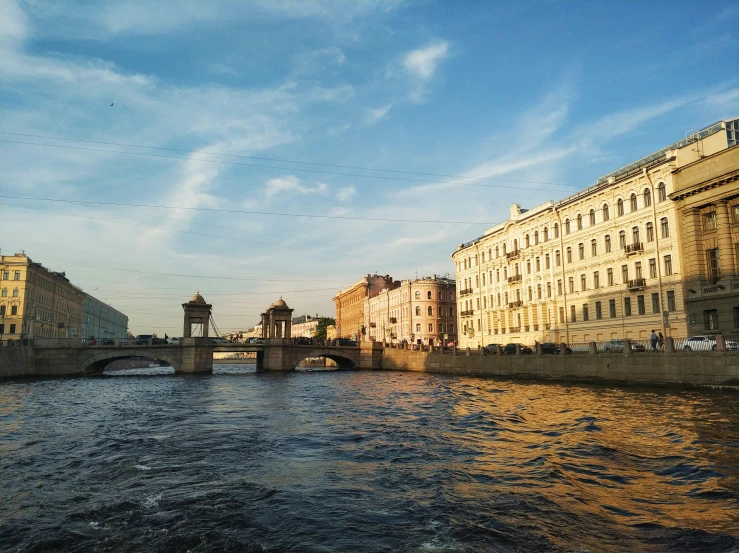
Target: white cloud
(346, 193)
(375, 114)
(280, 185)
(423, 62)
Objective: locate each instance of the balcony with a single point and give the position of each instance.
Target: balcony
(636, 247)
(467, 313)
(465, 292)
(514, 304)
(513, 255)
(514, 329)
(637, 284)
(514, 278)
(393, 320)
(373, 325)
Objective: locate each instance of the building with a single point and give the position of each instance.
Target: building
(706, 195)
(420, 311)
(100, 320)
(36, 302)
(603, 263)
(304, 326)
(350, 304)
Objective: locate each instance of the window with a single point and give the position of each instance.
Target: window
(655, 302)
(650, 232)
(418, 327)
(736, 317)
(418, 311)
(530, 293)
(609, 272)
(710, 319)
(497, 275)
(573, 314)
(418, 295)
(12, 328)
(536, 237)
(441, 311)
(622, 240)
(627, 307)
(624, 274)
(593, 247)
(561, 315)
(635, 235)
(16, 275)
(634, 207)
(2, 310)
(596, 279)
(665, 227)
(430, 296)
(640, 308)
(559, 287)
(571, 282)
(734, 209)
(538, 291)
(709, 221)
(13, 310)
(451, 296)
(567, 226)
(585, 315)
(606, 214)
(527, 241)
(583, 282)
(652, 268)
(556, 230)
(15, 292)
(612, 308)
(546, 234)
(569, 254)
(620, 207)
(608, 243)
(592, 217)
(496, 252)
(431, 310)
(6, 275)
(528, 267)
(598, 310)
(558, 258)
(581, 250)
(661, 192)
(670, 300)
(4, 293)
(504, 248)
(712, 263)
(637, 268)
(549, 289)
(538, 265)
(547, 264)
(579, 222)
(668, 265)
(431, 328)
(483, 283)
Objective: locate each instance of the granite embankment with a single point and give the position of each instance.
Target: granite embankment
(679, 368)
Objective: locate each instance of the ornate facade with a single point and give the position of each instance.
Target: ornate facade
(350, 304)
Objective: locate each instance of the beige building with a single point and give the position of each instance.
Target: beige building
(420, 311)
(350, 304)
(706, 195)
(601, 264)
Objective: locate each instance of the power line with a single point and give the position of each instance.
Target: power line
(248, 212)
(278, 160)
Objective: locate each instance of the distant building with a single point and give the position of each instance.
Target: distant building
(350, 304)
(38, 302)
(419, 311)
(304, 326)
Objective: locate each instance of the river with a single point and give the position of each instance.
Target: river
(363, 462)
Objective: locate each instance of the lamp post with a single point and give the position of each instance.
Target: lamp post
(2, 329)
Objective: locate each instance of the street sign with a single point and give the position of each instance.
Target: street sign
(446, 336)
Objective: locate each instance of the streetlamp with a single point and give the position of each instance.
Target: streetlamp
(2, 329)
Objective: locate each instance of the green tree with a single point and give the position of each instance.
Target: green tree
(323, 322)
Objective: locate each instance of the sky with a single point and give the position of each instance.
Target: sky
(252, 150)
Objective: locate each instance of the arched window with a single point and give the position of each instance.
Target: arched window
(546, 234)
(418, 295)
(581, 250)
(579, 222)
(504, 248)
(441, 311)
(556, 230)
(593, 247)
(528, 242)
(515, 245)
(633, 202)
(536, 237)
(430, 311)
(497, 253)
(567, 226)
(592, 217)
(606, 215)
(429, 295)
(635, 235)
(418, 311)
(622, 239)
(620, 207)
(661, 192)
(647, 197)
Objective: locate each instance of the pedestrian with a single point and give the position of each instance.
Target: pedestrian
(653, 340)
(660, 341)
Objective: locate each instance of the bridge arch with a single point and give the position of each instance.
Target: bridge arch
(345, 358)
(95, 362)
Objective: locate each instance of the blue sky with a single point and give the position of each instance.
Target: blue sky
(535, 100)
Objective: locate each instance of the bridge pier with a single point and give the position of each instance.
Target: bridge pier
(275, 356)
(197, 355)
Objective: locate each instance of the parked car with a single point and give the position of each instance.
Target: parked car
(706, 343)
(303, 341)
(617, 346)
(552, 348)
(220, 340)
(143, 339)
(510, 349)
(492, 349)
(174, 341)
(343, 342)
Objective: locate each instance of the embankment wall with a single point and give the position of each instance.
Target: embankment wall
(698, 369)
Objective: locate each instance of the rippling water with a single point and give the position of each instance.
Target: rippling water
(363, 462)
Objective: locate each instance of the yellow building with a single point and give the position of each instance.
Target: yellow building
(36, 302)
(601, 264)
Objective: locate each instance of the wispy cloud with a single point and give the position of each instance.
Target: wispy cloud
(421, 65)
(346, 193)
(376, 114)
(281, 185)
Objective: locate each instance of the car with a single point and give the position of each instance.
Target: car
(143, 339)
(303, 341)
(492, 349)
(173, 341)
(254, 340)
(346, 342)
(617, 346)
(220, 340)
(706, 343)
(510, 349)
(552, 348)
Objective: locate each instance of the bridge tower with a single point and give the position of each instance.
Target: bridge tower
(277, 320)
(197, 313)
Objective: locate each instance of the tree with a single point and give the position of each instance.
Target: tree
(323, 322)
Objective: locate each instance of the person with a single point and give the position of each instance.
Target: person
(660, 341)
(653, 341)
